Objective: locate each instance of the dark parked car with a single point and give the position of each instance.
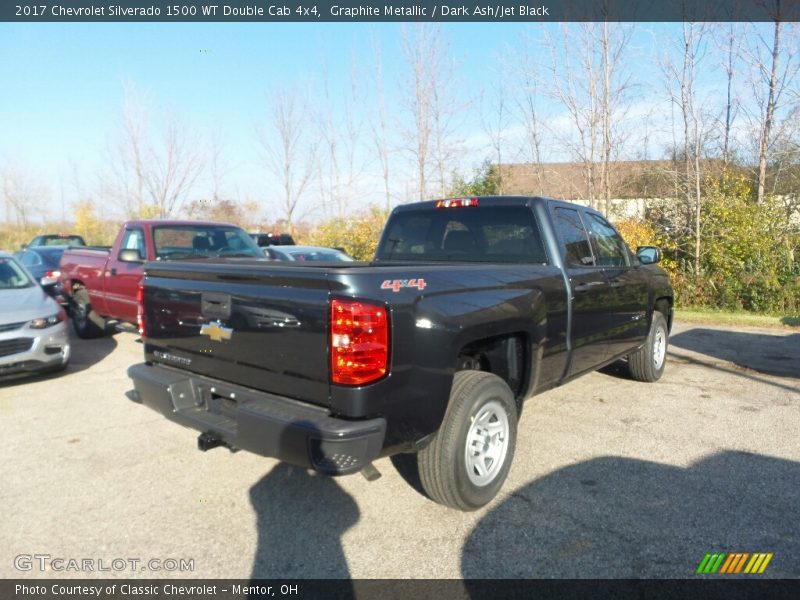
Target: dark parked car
(43, 263)
(307, 253)
(56, 239)
(272, 239)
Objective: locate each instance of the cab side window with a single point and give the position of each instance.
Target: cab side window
(607, 244)
(573, 235)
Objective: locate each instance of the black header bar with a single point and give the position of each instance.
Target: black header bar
(344, 11)
(736, 588)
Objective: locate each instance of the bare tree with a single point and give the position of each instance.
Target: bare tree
(728, 38)
(429, 100)
(613, 106)
(379, 122)
(329, 171)
(290, 150)
(495, 120)
(681, 83)
(774, 70)
(526, 67)
(152, 173)
(20, 193)
(586, 79)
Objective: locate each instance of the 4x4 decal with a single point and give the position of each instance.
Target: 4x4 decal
(397, 284)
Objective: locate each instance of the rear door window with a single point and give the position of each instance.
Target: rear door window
(574, 237)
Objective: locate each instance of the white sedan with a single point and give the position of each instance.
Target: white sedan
(33, 331)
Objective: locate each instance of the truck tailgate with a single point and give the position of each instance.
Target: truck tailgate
(265, 328)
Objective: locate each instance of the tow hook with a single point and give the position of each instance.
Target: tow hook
(370, 473)
(208, 440)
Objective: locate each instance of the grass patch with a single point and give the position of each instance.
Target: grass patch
(740, 319)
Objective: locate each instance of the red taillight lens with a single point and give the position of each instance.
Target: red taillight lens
(457, 203)
(359, 342)
(140, 310)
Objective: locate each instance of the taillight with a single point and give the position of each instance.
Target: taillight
(457, 203)
(140, 310)
(359, 342)
(50, 277)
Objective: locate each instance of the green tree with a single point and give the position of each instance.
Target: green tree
(485, 182)
(358, 236)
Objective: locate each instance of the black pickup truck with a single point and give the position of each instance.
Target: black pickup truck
(470, 306)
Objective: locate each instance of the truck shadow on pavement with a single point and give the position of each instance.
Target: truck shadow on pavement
(762, 352)
(301, 520)
(625, 518)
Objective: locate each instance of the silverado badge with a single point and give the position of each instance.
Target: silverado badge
(216, 331)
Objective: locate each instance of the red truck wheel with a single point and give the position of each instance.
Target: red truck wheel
(468, 460)
(87, 323)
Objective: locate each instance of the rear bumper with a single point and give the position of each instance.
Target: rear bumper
(294, 432)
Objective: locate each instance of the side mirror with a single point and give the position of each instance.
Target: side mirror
(648, 255)
(130, 255)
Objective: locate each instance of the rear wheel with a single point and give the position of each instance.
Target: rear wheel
(468, 460)
(87, 323)
(647, 363)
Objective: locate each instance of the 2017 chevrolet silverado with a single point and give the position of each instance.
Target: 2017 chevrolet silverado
(103, 283)
(470, 306)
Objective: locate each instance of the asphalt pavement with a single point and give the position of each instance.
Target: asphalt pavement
(611, 478)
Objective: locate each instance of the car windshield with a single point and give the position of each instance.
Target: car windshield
(12, 275)
(196, 241)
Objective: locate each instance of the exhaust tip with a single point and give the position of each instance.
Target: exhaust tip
(370, 473)
(208, 440)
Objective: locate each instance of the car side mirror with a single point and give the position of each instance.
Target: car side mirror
(648, 255)
(130, 255)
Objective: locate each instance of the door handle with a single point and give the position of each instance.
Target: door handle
(113, 271)
(583, 287)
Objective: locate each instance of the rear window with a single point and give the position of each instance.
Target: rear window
(504, 234)
(58, 240)
(178, 241)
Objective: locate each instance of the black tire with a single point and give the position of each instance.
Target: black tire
(447, 475)
(647, 363)
(86, 322)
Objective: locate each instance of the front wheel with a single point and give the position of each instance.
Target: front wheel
(468, 459)
(87, 323)
(647, 363)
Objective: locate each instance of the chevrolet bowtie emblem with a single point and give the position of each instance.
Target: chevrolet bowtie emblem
(216, 332)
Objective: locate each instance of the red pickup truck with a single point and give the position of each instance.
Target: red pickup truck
(103, 283)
